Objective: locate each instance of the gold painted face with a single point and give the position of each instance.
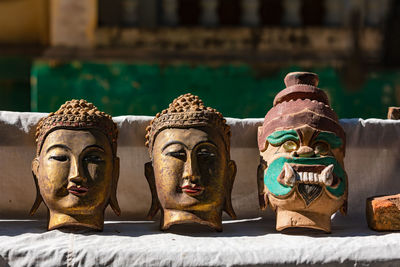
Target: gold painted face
(193, 174)
(76, 173)
(189, 167)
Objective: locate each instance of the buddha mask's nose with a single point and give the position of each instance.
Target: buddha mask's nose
(191, 171)
(76, 174)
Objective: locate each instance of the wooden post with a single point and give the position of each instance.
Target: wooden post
(376, 11)
(334, 12)
(73, 23)
(250, 12)
(148, 13)
(130, 12)
(170, 12)
(292, 14)
(209, 16)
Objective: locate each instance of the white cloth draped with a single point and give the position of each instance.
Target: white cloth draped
(372, 164)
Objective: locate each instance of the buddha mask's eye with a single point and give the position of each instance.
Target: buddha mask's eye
(205, 154)
(321, 148)
(290, 145)
(61, 158)
(180, 154)
(93, 159)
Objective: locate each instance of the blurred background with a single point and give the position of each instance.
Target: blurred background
(133, 57)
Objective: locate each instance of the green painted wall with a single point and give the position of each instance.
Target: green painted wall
(14, 83)
(236, 90)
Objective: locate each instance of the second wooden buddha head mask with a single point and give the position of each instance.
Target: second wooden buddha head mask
(191, 174)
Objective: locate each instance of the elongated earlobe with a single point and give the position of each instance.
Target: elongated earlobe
(39, 199)
(113, 197)
(155, 204)
(231, 173)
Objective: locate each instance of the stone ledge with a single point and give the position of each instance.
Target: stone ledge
(264, 39)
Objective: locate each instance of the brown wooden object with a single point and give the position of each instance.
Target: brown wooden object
(301, 174)
(393, 113)
(383, 213)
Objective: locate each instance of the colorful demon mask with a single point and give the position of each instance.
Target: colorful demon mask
(76, 168)
(191, 174)
(302, 145)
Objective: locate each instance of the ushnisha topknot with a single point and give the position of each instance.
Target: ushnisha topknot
(77, 114)
(187, 111)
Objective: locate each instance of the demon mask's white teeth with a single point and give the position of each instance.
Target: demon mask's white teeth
(326, 175)
(308, 177)
(290, 174)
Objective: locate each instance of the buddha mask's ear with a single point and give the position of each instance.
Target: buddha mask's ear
(39, 199)
(262, 198)
(231, 174)
(113, 197)
(155, 204)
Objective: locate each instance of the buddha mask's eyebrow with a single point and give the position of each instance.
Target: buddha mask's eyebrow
(279, 137)
(57, 146)
(95, 146)
(173, 142)
(206, 142)
(332, 139)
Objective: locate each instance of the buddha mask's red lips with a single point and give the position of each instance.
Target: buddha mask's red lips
(308, 174)
(77, 190)
(192, 190)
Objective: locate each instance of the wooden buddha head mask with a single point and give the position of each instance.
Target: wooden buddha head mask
(302, 145)
(76, 168)
(191, 174)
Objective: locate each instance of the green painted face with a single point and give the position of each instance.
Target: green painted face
(278, 189)
(280, 137)
(332, 139)
(308, 157)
